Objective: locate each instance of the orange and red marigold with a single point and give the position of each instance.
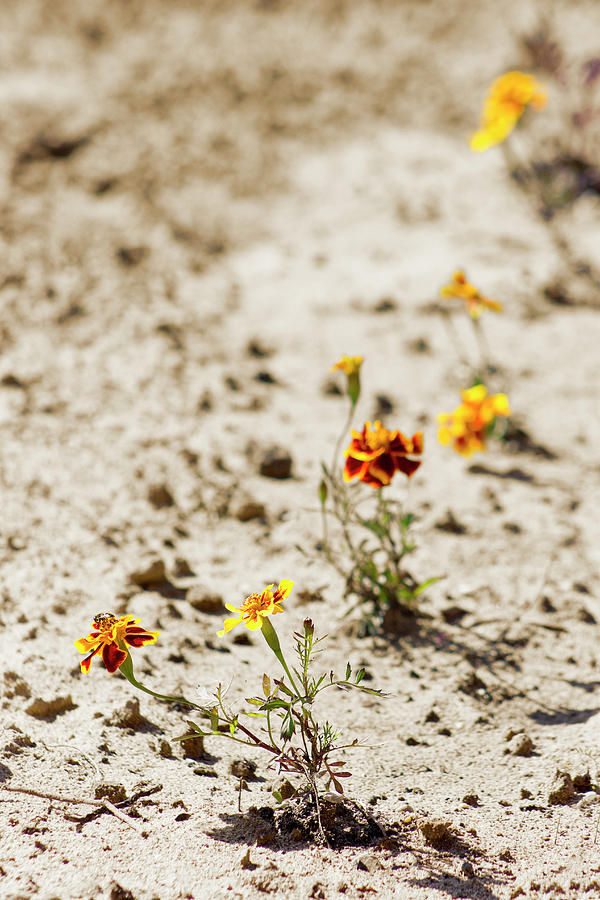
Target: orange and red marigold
(257, 606)
(467, 427)
(376, 454)
(111, 637)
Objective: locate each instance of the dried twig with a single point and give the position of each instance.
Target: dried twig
(102, 805)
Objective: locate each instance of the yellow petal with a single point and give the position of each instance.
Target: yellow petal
(228, 624)
(285, 588)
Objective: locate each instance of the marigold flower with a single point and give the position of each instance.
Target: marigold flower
(505, 103)
(110, 636)
(475, 302)
(257, 606)
(468, 426)
(376, 454)
(350, 365)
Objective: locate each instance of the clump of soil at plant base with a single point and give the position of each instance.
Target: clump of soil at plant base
(344, 822)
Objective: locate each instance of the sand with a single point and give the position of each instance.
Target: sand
(203, 207)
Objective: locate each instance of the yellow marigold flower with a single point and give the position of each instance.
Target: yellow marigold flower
(376, 454)
(257, 606)
(475, 302)
(468, 426)
(111, 635)
(508, 97)
(350, 365)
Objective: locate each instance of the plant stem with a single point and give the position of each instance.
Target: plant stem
(126, 669)
(270, 636)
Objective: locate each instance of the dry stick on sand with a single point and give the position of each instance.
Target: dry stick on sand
(101, 805)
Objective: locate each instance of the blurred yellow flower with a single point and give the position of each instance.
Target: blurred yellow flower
(468, 426)
(257, 606)
(475, 302)
(508, 97)
(350, 365)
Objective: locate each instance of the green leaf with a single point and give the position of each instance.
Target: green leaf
(284, 687)
(288, 726)
(214, 719)
(348, 671)
(425, 584)
(270, 705)
(254, 701)
(323, 492)
(277, 796)
(360, 675)
(266, 683)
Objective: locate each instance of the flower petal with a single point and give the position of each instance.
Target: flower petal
(113, 656)
(228, 624)
(284, 590)
(137, 637)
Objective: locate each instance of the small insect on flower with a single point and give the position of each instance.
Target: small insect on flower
(111, 636)
(472, 422)
(475, 302)
(376, 454)
(256, 607)
(508, 97)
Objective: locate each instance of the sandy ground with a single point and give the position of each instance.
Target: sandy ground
(179, 180)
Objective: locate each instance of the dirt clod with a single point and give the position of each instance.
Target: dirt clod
(243, 768)
(50, 709)
(250, 510)
(204, 601)
(116, 793)
(562, 790)
(152, 573)
(437, 832)
(276, 463)
(130, 717)
(520, 745)
(193, 747)
(160, 497)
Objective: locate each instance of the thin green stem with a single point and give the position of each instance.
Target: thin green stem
(126, 669)
(270, 636)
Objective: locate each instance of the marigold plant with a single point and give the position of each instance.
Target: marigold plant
(368, 548)
(287, 729)
(508, 98)
(471, 423)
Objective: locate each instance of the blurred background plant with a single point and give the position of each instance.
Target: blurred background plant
(554, 157)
